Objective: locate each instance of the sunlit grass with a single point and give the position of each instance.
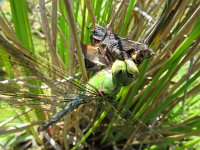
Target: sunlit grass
(168, 85)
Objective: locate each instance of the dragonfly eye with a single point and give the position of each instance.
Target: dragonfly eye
(124, 72)
(119, 75)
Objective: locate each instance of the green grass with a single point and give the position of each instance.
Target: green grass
(167, 88)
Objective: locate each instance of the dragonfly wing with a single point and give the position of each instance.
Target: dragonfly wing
(59, 87)
(125, 123)
(51, 75)
(30, 109)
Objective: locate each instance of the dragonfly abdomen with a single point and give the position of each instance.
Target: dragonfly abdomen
(68, 108)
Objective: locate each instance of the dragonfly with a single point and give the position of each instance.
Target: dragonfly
(100, 90)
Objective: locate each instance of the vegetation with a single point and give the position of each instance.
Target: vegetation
(165, 97)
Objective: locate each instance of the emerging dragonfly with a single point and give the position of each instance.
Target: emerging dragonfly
(107, 47)
(100, 90)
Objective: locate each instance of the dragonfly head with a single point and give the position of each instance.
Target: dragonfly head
(124, 72)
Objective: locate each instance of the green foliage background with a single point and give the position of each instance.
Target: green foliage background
(166, 93)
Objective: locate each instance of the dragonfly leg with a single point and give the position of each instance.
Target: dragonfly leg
(68, 108)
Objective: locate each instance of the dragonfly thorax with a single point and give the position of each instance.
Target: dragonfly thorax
(110, 81)
(103, 82)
